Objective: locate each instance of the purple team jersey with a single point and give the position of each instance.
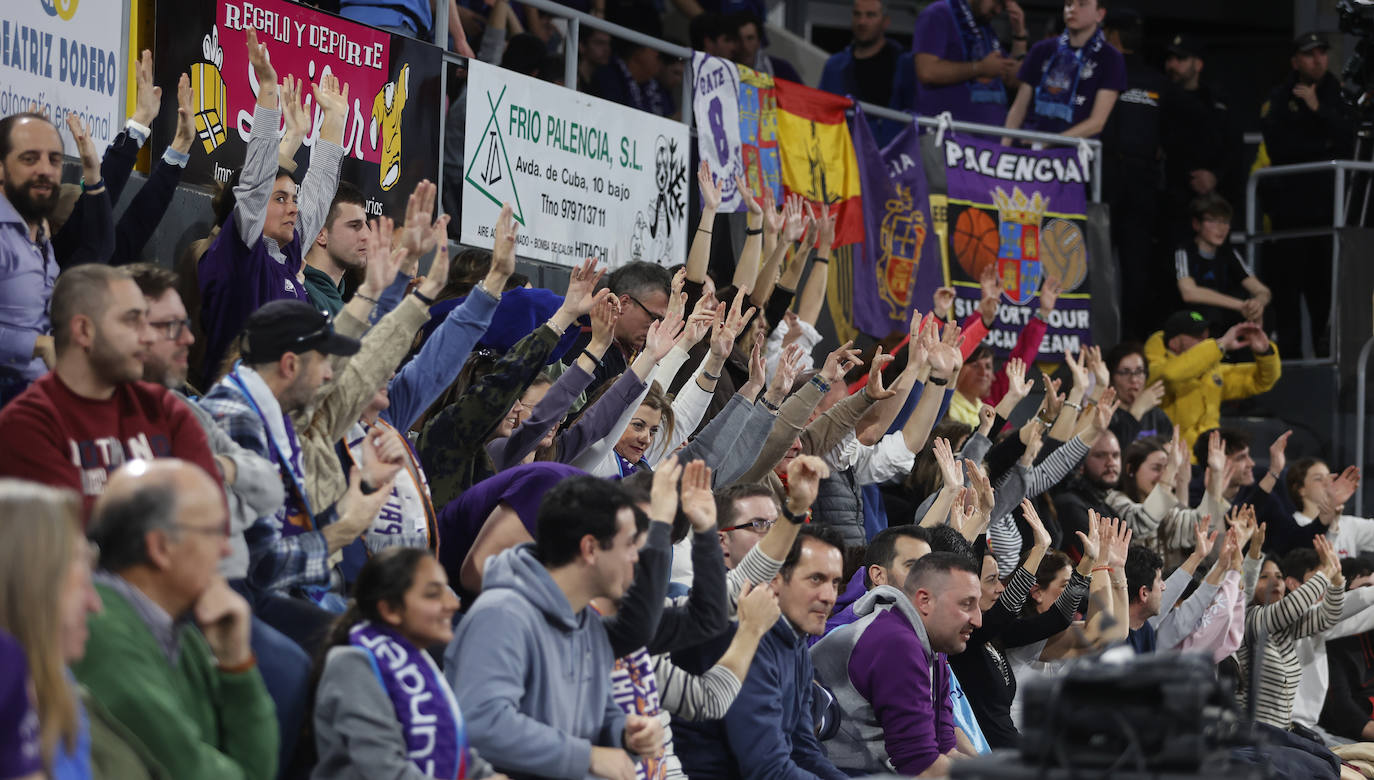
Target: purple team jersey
(937, 32)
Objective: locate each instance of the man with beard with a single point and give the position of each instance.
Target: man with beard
(91, 414)
(961, 66)
(1088, 491)
(31, 173)
(252, 487)
(286, 347)
(340, 247)
(768, 731)
(889, 673)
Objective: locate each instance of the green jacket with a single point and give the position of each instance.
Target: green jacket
(194, 720)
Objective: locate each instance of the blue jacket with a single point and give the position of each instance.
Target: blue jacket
(767, 734)
(838, 77)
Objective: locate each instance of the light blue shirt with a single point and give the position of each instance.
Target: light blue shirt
(27, 272)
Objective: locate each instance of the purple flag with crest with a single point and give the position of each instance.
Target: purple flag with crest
(898, 264)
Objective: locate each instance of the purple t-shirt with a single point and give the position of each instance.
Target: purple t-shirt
(1100, 68)
(19, 748)
(522, 487)
(235, 280)
(937, 32)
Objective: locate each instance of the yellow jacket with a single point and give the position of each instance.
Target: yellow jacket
(1196, 382)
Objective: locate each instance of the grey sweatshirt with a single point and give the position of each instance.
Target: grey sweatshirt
(532, 678)
(357, 734)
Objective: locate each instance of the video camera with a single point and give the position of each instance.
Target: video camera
(1357, 77)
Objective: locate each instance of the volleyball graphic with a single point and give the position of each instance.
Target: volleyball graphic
(1063, 253)
(975, 241)
(208, 85)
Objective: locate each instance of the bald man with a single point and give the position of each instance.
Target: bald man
(170, 656)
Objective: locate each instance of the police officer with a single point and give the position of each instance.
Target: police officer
(1131, 176)
(1304, 120)
(1204, 151)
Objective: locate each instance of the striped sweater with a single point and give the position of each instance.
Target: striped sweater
(1296, 615)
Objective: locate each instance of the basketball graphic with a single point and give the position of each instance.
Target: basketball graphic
(1064, 253)
(975, 241)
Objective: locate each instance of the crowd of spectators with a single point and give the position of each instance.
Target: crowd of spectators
(454, 525)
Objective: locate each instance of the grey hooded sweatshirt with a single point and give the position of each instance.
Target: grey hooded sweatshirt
(532, 678)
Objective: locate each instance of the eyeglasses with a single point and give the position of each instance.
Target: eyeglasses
(1130, 372)
(172, 329)
(759, 524)
(647, 310)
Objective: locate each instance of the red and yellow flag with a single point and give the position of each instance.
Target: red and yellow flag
(818, 159)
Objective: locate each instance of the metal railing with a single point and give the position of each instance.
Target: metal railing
(1253, 237)
(1360, 402)
(576, 20)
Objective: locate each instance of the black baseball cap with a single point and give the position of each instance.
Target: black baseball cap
(1183, 45)
(1309, 41)
(292, 326)
(1188, 323)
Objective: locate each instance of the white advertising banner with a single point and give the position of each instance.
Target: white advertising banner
(586, 177)
(66, 56)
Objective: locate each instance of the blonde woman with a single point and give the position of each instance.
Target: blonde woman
(45, 596)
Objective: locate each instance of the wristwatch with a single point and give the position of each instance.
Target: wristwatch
(804, 517)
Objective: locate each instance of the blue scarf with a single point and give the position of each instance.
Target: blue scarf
(1058, 89)
(436, 739)
(979, 42)
(626, 467)
(649, 97)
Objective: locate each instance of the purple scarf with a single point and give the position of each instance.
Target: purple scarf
(436, 739)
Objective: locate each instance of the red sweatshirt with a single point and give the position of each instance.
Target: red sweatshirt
(54, 436)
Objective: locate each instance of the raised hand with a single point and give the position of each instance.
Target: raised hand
(951, 470)
(1101, 419)
(663, 335)
(813, 227)
(789, 365)
(1330, 561)
(758, 609)
(703, 319)
(1148, 398)
(382, 262)
(1233, 338)
(434, 283)
(731, 324)
(1049, 296)
(773, 219)
(297, 119)
(1118, 543)
(986, 417)
(747, 194)
(262, 71)
(1278, 453)
(1078, 370)
(1097, 367)
(186, 116)
(944, 358)
(1255, 338)
(1053, 402)
(758, 373)
(839, 363)
(963, 514)
(1092, 540)
(982, 485)
(580, 297)
(698, 502)
(710, 189)
(1216, 452)
(90, 158)
(796, 220)
(605, 313)
(1340, 489)
(990, 286)
(1017, 383)
(148, 100)
(875, 388)
(1241, 520)
(1033, 436)
(663, 494)
(943, 301)
(825, 231)
(330, 97)
(1037, 526)
(417, 237)
(804, 475)
(503, 243)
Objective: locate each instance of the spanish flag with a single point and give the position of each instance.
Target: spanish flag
(818, 159)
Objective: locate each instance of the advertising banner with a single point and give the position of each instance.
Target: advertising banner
(586, 177)
(1022, 212)
(391, 137)
(64, 56)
